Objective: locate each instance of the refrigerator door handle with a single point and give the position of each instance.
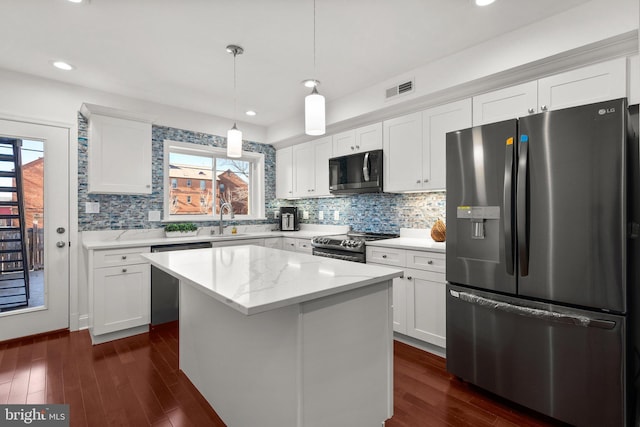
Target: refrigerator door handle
(522, 208)
(551, 316)
(507, 202)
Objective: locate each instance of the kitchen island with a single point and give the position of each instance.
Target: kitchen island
(275, 338)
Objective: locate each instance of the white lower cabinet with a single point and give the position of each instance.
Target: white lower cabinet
(273, 242)
(426, 306)
(399, 305)
(119, 291)
(297, 245)
(419, 309)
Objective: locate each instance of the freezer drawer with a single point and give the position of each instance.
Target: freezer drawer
(568, 364)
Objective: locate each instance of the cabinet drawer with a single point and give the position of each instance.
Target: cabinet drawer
(304, 245)
(116, 257)
(388, 256)
(431, 261)
(289, 244)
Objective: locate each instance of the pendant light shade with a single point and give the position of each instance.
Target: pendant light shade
(314, 120)
(234, 142)
(234, 135)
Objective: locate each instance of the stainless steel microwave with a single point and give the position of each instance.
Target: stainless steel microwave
(356, 173)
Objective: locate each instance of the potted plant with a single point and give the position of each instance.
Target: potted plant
(180, 229)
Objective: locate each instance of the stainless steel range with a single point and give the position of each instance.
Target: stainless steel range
(348, 247)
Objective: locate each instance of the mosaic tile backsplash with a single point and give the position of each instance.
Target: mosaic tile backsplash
(381, 213)
(378, 212)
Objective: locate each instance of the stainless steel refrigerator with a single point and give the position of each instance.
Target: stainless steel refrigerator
(541, 230)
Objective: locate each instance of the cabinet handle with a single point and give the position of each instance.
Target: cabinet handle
(531, 110)
(418, 181)
(357, 147)
(384, 256)
(429, 262)
(425, 180)
(352, 148)
(544, 108)
(124, 270)
(124, 257)
(409, 278)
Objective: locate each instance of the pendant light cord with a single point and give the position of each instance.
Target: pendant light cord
(314, 40)
(235, 95)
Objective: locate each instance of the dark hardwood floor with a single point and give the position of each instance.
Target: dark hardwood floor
(136, 382)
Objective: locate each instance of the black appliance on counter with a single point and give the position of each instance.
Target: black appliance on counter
(289, 219)
(542, 257)
(356, 173)
(347, 247)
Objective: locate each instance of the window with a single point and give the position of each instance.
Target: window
(239, 182)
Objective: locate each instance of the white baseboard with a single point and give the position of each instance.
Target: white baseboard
(425, 346)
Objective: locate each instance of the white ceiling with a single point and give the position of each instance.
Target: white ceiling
(173, 51)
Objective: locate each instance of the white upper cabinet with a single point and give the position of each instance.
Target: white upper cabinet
(323, 151)
(436, 123)
(414, 147)
(311, 168)
(504, 104)
(365, 138)
(284, 173)
(119, 151)
(402, 138)
(595, 83)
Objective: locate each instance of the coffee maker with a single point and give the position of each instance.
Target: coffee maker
(289, 219)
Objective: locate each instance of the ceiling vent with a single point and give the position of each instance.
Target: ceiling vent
(402, 88)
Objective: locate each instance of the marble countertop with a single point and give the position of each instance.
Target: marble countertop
(137, 238)
(413, 243)
(418, 239)
(254, 279)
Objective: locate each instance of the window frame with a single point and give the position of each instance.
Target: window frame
(256, 181)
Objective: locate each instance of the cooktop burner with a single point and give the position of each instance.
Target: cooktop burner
(354, 241)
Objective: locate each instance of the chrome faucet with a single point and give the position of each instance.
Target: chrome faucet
(229, 208)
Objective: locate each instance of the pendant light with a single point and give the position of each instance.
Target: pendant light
(314, 117)
(234, 135)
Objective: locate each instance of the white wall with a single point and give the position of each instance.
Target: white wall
(30, 97)
(587, 24)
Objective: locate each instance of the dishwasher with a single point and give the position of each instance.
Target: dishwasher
(164, 287)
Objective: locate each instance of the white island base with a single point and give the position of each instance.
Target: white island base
(325, 362)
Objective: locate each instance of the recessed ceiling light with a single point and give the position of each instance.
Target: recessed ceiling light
(251, 113)
(484, 2)
(311, 83)
(63, 65)
(79, 1)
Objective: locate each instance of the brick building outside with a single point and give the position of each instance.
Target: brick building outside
(190, 190)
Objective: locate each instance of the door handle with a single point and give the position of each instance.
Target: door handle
(521, 205)
(61, 244)
(365, 168)
(507, 203)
